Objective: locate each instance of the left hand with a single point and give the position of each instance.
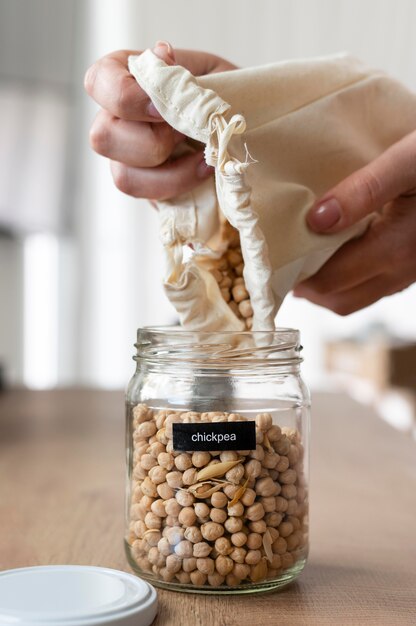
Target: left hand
(383, 260)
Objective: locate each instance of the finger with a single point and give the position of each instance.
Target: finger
(355, 262)
(112, 86)
(361, 296)
(390, 175)
(166, 181)
(137, 144)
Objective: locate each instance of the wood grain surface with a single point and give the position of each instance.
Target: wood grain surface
(61, 501)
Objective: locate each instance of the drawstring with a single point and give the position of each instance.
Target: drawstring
(216, 153)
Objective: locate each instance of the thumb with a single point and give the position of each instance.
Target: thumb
(164, 51)
(366, 190)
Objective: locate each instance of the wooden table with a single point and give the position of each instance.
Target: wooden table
(61, 501)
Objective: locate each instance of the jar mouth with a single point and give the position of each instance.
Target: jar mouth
(168, 344)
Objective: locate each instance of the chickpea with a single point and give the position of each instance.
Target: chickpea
(152, 521)
(239, 539)
(149, 488)
(201, 549)
(199, 459)
(255, 512)
(252, 468)
(211, 531)
(282, 446)
(273, 519)
(157, 474)
(156, 448)
(183, 577)
(183, 462)
(264, 421)
(245, 308)
(253, 557)
(266, 487)
(173, 563)
(254, 541)
(281, 504)
(192, 533)
(287, 560)
(219, 499)
(289, 491)
(165, 491)
(184, 498)
(241, 570)
(232, 580)
(218, 515)
(288, 477)
(187, 516)
(145, 430)
(269, 503)
(155, 557)
(274, 433)
(158, 508)
(184, 549)
(233, 524)
(205, 565)
(240, 293)
(223, 546)
(198, 578)
(165, 460)
(164, 546)
(271, 459)
(238, 555)
(141, 414)
(258, 527)
(147, 461)
(248, 497)
(236, 510)
(285, 529)
(258, 453)
(189, 477)
(228, 455)
(202, 510)
(174, 479)
(189, 565)
(172, 507)
(215, 579)
(224, 565)
(279, 546)
(235, 474)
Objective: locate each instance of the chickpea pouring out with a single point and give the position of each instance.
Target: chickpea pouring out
(243, 523)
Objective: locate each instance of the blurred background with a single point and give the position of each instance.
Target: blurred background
(80, 263)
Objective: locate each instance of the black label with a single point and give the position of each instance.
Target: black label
(201, 436)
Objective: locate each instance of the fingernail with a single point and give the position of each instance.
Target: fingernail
(153, 112)
(163, 49)
(203, 170)
(324, 215)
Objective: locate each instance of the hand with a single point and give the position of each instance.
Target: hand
(131, 133)
(383, 260)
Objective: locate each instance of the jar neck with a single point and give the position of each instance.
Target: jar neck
(278, 350)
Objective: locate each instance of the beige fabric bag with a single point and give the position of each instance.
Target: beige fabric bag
(279, 137)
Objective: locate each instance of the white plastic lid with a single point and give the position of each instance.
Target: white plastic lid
(75, 595)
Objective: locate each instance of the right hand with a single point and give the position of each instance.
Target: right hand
(131, 133)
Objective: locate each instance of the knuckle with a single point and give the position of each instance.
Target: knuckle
(157, 153)
(89, 78)
(100, 136)
(121, 177)
(368, 186)
(125, 103)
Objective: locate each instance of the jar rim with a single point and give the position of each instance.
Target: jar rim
(167, 344)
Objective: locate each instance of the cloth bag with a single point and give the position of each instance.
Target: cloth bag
(279, 136)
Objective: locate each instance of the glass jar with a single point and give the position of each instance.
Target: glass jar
(217, 460)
